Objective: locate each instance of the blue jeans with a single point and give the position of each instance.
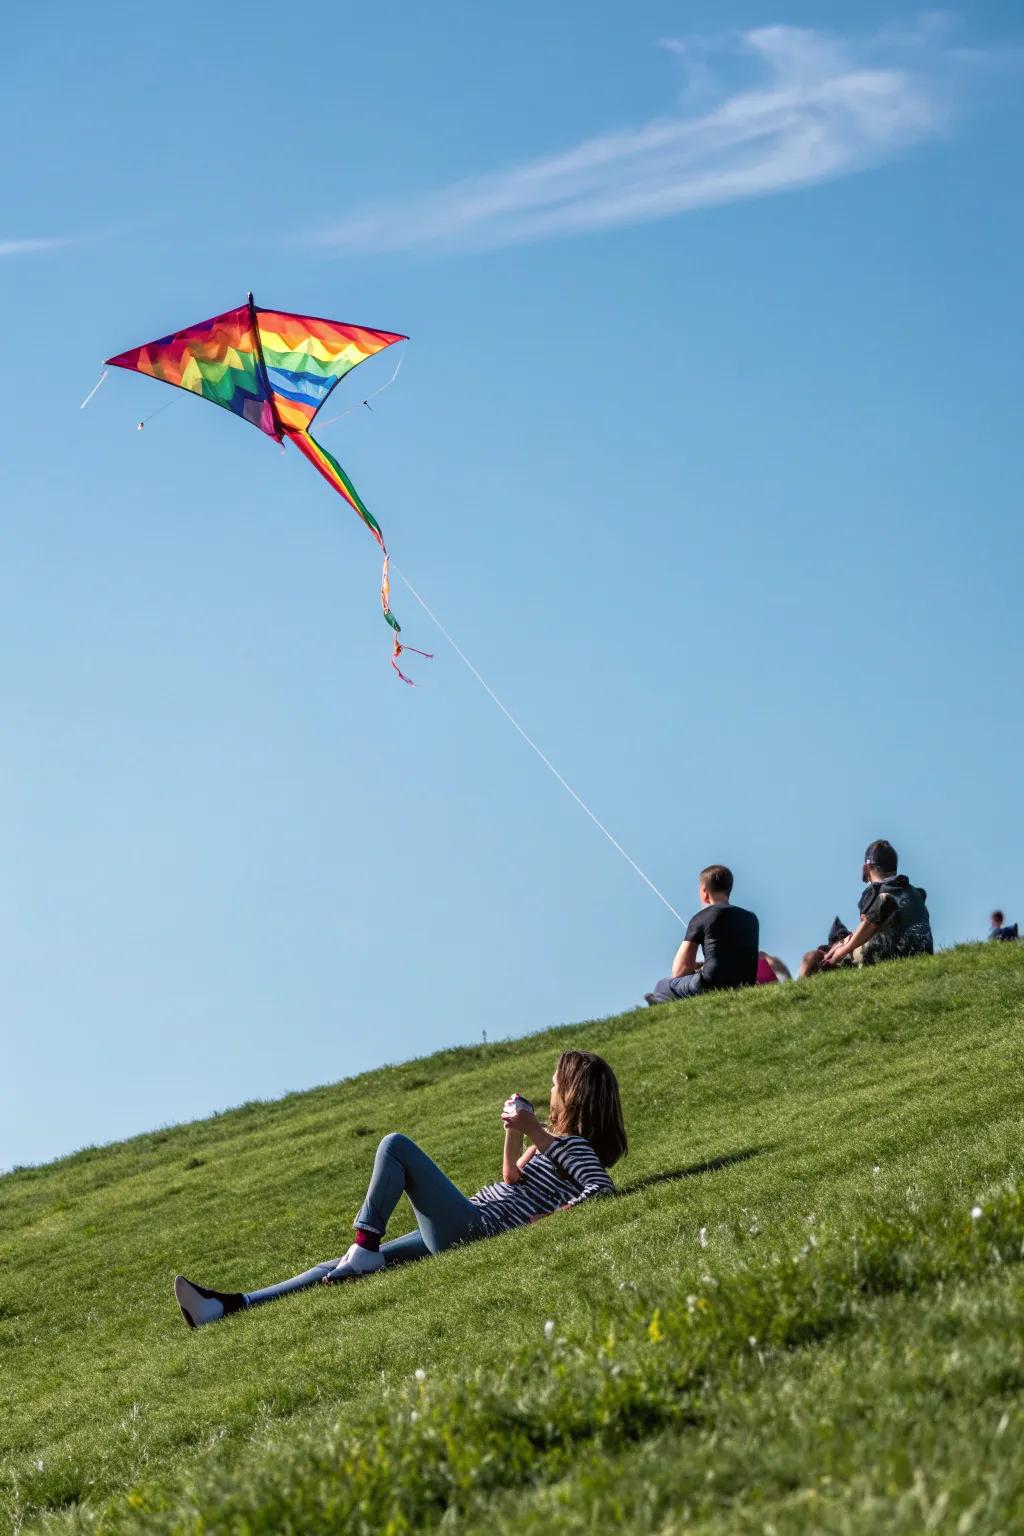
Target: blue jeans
(443, 1213)
(678, 986)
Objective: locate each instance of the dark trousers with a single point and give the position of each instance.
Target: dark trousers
(672, 987)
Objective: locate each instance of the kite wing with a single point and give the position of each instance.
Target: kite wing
(275, 370)
(218, 359)
(304, 358)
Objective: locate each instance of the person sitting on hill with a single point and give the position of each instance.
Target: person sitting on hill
(771, 969)
(894, 921)
(727, 935)
(812, 962)
(566, 1163)
(998, 931)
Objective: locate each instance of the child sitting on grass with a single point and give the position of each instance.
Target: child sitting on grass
(728, 936)
(565, 1164)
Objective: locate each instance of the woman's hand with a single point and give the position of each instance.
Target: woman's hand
(526, 1121)
(523, 1121)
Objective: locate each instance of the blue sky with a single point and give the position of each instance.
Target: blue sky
(706, 450)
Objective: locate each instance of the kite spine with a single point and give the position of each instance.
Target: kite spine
(262, 366)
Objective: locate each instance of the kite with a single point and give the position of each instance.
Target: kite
(275, 370)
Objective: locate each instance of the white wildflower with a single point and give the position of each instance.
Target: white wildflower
(877, 1168)
(420, 1374)
(549, 1329)
(752, 1341)
(976, 1213)
(703, 1237)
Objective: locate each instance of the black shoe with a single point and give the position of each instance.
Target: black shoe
(198, 1305)
(650, 999)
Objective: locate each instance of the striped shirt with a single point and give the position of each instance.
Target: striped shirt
(567, 1172)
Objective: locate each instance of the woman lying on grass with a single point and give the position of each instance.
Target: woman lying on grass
(565, 1164)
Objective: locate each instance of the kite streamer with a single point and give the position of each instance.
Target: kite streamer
(275, 370)
(333, 473)
(92, 391)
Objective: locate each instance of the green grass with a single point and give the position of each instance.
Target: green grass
(841, 1352)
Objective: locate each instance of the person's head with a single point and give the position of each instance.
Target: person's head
(880, 861)
(585, 1102)
(715, 884)
(997, 920)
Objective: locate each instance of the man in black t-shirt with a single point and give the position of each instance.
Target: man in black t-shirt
(728, 936)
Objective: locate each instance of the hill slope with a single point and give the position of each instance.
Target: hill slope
(790, 1322)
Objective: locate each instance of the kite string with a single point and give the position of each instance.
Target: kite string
(158, 412)
(95, 387)
(533, 745)
(372, 396)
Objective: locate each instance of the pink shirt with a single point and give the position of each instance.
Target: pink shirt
(765, 974)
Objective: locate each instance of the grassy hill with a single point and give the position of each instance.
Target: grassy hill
(790, 1322)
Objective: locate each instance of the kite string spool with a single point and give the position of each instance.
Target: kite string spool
(534, 747)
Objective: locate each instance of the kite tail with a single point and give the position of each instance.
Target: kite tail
(333, 473)
(389, 618)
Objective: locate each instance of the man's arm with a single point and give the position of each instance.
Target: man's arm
(865, 930)
(685, 962)
(876, 908)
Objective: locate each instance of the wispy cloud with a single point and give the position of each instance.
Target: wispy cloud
(758, 112)
(32, 244)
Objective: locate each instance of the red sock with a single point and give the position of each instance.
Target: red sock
(368, 1240)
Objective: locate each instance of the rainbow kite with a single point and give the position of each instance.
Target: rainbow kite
(274, 370)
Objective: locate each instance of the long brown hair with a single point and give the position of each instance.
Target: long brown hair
(587, 1104)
